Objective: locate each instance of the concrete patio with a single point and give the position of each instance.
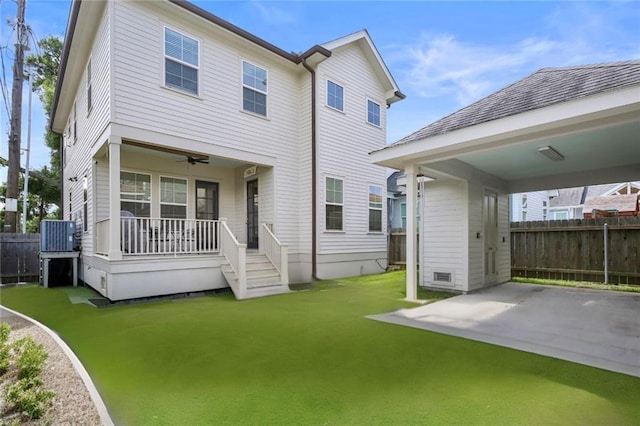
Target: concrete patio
(591, 327)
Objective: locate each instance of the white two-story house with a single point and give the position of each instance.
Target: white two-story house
(198, 156)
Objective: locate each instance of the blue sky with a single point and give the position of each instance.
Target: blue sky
(443, 55)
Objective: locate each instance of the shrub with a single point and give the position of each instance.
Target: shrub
(29, 398)
(30, 357)
(5, 329)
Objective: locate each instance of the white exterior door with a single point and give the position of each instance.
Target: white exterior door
(490, 217)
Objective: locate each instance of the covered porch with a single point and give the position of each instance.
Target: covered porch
(550, 130)
(158, 205)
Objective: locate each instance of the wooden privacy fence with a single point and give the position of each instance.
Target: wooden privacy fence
(575, 249)
(397, 248)
(19, 258)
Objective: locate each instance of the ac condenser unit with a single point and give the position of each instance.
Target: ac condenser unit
(57, 235)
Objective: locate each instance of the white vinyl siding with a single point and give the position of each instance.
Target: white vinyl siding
(254, 89)
(83, 134)
(181, 61)
(444, 241)
(375, 208)
(335, 95)
(211, 123)
(373, 113)
(344, 141)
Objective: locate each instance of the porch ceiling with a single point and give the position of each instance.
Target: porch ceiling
(177, 156)
(599, 138)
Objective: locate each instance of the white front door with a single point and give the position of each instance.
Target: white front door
(490, 217)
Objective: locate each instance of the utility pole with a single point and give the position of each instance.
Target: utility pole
(11, 202)
(27, 151)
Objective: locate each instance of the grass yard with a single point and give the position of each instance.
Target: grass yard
(312, 358)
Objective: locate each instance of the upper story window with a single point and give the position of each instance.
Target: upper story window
(375, 208)
(335, 95)
(181, 61)
(75, 124)
(373, 113)
(135, 193)
(173, 198)
(333, 206)
(254, 89)
(89, 100)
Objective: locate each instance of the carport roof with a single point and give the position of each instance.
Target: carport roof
(543, 88)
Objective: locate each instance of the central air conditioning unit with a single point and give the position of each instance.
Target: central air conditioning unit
(57, 235)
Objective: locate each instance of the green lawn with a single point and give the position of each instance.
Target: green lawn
(312, 358)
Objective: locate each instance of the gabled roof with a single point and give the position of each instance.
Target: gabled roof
(621, 203)
(392, 181)
(371, 52)
(543, 88)
(316, 52)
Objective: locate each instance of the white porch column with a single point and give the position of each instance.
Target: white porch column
(412, 228)
(115, 252)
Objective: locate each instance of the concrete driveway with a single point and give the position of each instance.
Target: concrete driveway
(597, 328)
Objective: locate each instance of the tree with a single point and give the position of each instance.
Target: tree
(44, 187)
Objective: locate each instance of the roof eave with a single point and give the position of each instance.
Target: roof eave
(68, 40)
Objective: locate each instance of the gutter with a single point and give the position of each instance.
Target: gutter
(314, 143)
(314, 201)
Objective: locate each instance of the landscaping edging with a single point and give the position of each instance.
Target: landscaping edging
(101, 408)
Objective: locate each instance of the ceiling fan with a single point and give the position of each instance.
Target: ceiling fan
(189, 158)
(194, 160)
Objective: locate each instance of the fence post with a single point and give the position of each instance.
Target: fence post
(606, 253)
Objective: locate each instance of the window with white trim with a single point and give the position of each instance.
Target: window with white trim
(561, 215)
(375, 208)
(254, 89)
(524, 204)
(544, 210)
(135, 193)
(89, 100)
(173, 198)
(373, 113)
(333, 204)
(181, 61)
(75, 124)
(85, 204)
(403, 215)
(335, 95)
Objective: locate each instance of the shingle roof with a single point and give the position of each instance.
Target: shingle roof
(543, 88)
(392, 181)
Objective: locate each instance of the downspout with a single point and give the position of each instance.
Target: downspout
(314, 268)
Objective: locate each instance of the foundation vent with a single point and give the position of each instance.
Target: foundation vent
(442, 277)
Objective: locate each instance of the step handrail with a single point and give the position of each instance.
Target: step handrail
(276, 251)
(236, 255)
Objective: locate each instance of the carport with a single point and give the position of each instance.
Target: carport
(557, 128)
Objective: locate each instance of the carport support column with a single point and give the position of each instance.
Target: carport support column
(412, 228)
(115, 253)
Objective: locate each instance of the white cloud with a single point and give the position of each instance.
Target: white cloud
(441, 65)
(273, 14)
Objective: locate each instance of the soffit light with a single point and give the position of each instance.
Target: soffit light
(550, 153)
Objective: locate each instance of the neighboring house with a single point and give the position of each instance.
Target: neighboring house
(198, 156)
(570, 126)
(569, 203)
(396, 201)
(565, 203)
(529, 206)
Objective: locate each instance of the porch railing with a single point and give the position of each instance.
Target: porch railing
(102, 236)
(151, 236)
(236, 255)
(275, 251)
